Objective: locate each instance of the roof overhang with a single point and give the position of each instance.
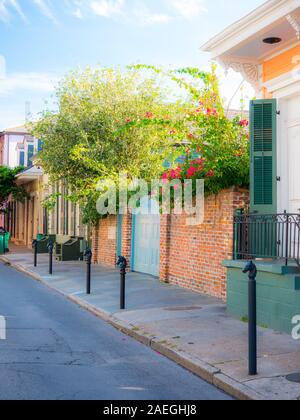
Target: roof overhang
(29, 175)
(241, 46)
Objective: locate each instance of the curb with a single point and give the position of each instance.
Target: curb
(203, 370)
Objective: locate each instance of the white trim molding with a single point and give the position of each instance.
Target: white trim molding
(249, 69)
(283, 86)
(248, 27)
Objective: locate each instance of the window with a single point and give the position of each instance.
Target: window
(30, 155)
(40, 145)
(22, 158)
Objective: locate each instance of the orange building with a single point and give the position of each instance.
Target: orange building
(264, 47)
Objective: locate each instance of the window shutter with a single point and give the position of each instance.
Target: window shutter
(40, 146)
(22, 159)
(263, 116)
(30, 155)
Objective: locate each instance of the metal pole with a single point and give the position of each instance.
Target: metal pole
(88, 255)
(35, 249)
(50, 248)
(252, 302)
(122, 263)
(287, 240)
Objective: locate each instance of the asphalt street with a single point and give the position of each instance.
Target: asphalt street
(55, 350)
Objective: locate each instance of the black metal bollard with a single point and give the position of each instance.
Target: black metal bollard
(50, 249)
(122, 263)
(35, 249)
(252, 303)
(88, 256)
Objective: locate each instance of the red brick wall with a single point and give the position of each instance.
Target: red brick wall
(191, 256)
(105, 240)
(127, 237)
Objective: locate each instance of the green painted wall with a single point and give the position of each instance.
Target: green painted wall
(278, 295)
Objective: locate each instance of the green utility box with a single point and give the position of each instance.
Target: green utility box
(2, 243)
(4, 240)
(42, 243)
(70, 250)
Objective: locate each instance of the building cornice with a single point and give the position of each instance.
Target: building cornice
(249, 69)
(250, 25)
(284, 85)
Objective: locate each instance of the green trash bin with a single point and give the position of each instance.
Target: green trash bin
(6, 241)
(2, 243)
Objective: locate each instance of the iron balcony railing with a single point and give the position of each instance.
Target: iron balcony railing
(267, 236)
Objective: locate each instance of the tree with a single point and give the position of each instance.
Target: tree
(8, 187)
(83, 142)
(212, 146)
(109, 121)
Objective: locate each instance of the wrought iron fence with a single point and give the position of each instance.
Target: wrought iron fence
(267, 236)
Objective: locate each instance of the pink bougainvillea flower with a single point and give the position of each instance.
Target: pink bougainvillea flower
(210, 174)
(165, 175)
(192, 171)
(173, 174)
(178, 171)
(244, 123)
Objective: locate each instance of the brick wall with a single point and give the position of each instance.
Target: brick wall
(104, 238)
(127, 237)
(105, 241)
(191, 256)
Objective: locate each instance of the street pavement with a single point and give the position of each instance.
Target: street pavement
(191, 329)
(55, 350)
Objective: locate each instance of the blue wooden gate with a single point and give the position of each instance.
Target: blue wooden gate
(146, 244)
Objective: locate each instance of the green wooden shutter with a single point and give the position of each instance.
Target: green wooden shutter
(22, 158)
(263, 116)
(40, 146)
(30, 154)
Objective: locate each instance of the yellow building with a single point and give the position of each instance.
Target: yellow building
(25, 220)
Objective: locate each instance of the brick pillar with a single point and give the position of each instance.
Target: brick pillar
(95, 243)
(165, 230)
(127, 237)
(105, 242)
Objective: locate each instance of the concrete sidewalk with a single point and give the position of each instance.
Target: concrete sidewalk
(191, 329)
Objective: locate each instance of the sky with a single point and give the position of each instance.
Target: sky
(41, 40)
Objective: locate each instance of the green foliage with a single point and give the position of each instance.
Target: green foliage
(111, 122)
(201, 128)
(8, 186)
(83, 144)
